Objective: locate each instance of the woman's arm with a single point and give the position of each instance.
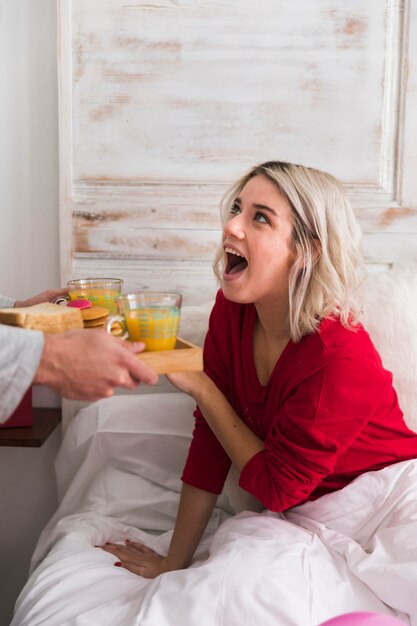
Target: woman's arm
(194, 512)
(308, 433)
(239, 442)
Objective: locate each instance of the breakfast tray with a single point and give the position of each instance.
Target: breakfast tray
(186, 357)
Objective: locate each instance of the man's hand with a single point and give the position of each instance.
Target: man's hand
(45, 296)
(89, 364)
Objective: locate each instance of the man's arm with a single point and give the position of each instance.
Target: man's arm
(82, 364)
(20, 353)
(46, 296)
(89, 364)
(7, 303)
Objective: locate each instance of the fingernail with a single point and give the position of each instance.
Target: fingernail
(117, 564)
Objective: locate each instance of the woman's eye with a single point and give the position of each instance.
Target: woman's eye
(262, 218)
(234, 209)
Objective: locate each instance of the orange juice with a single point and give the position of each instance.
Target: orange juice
(156, 327)
(98, 297)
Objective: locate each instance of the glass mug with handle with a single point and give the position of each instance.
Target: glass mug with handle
(99, 291)
(151, 317)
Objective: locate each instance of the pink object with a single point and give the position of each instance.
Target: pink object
(80, 303)
(363, 619)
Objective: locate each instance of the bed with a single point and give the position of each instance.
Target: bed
(118, 477)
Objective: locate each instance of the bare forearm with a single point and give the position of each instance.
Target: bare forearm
(88, 365)
(240, 443)
(46, 296)
(194, 511)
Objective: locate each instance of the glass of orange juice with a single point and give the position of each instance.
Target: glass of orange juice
(149, 316)
(99, 291)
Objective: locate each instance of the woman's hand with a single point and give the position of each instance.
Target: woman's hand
(191, 383)
(138, 558)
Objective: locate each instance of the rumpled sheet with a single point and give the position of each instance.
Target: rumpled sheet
(118, 476)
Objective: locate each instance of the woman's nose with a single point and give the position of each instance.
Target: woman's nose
(235, 227)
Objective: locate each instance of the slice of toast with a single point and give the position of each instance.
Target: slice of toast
(47, 317)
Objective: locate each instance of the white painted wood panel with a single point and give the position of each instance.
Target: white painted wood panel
(163, 103)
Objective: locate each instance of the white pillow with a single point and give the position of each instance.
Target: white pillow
(194, 322)
(391, 320)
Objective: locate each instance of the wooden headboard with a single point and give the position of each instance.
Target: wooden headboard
(164, 104)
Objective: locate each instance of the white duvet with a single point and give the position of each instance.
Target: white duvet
(118, 475)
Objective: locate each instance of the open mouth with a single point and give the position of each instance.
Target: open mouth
(235, 262)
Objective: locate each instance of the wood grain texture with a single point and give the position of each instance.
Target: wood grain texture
(200, 91)
(186, 357)
(45, 421)
(164, 103)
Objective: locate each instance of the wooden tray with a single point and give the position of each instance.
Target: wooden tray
(186, 357)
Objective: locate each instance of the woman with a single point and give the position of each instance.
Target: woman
(294, 394)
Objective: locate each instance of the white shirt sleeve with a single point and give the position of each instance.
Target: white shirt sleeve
(20, 353)
(6, 303)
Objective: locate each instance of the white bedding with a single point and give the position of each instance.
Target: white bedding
(118, 475)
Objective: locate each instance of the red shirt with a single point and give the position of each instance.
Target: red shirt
(328, 413)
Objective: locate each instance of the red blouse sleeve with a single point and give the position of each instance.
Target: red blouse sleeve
(316, 424)
(207, 463)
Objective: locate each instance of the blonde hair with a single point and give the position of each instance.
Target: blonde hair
(329, 268)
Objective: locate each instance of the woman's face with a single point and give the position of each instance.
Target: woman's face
(258, 246)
